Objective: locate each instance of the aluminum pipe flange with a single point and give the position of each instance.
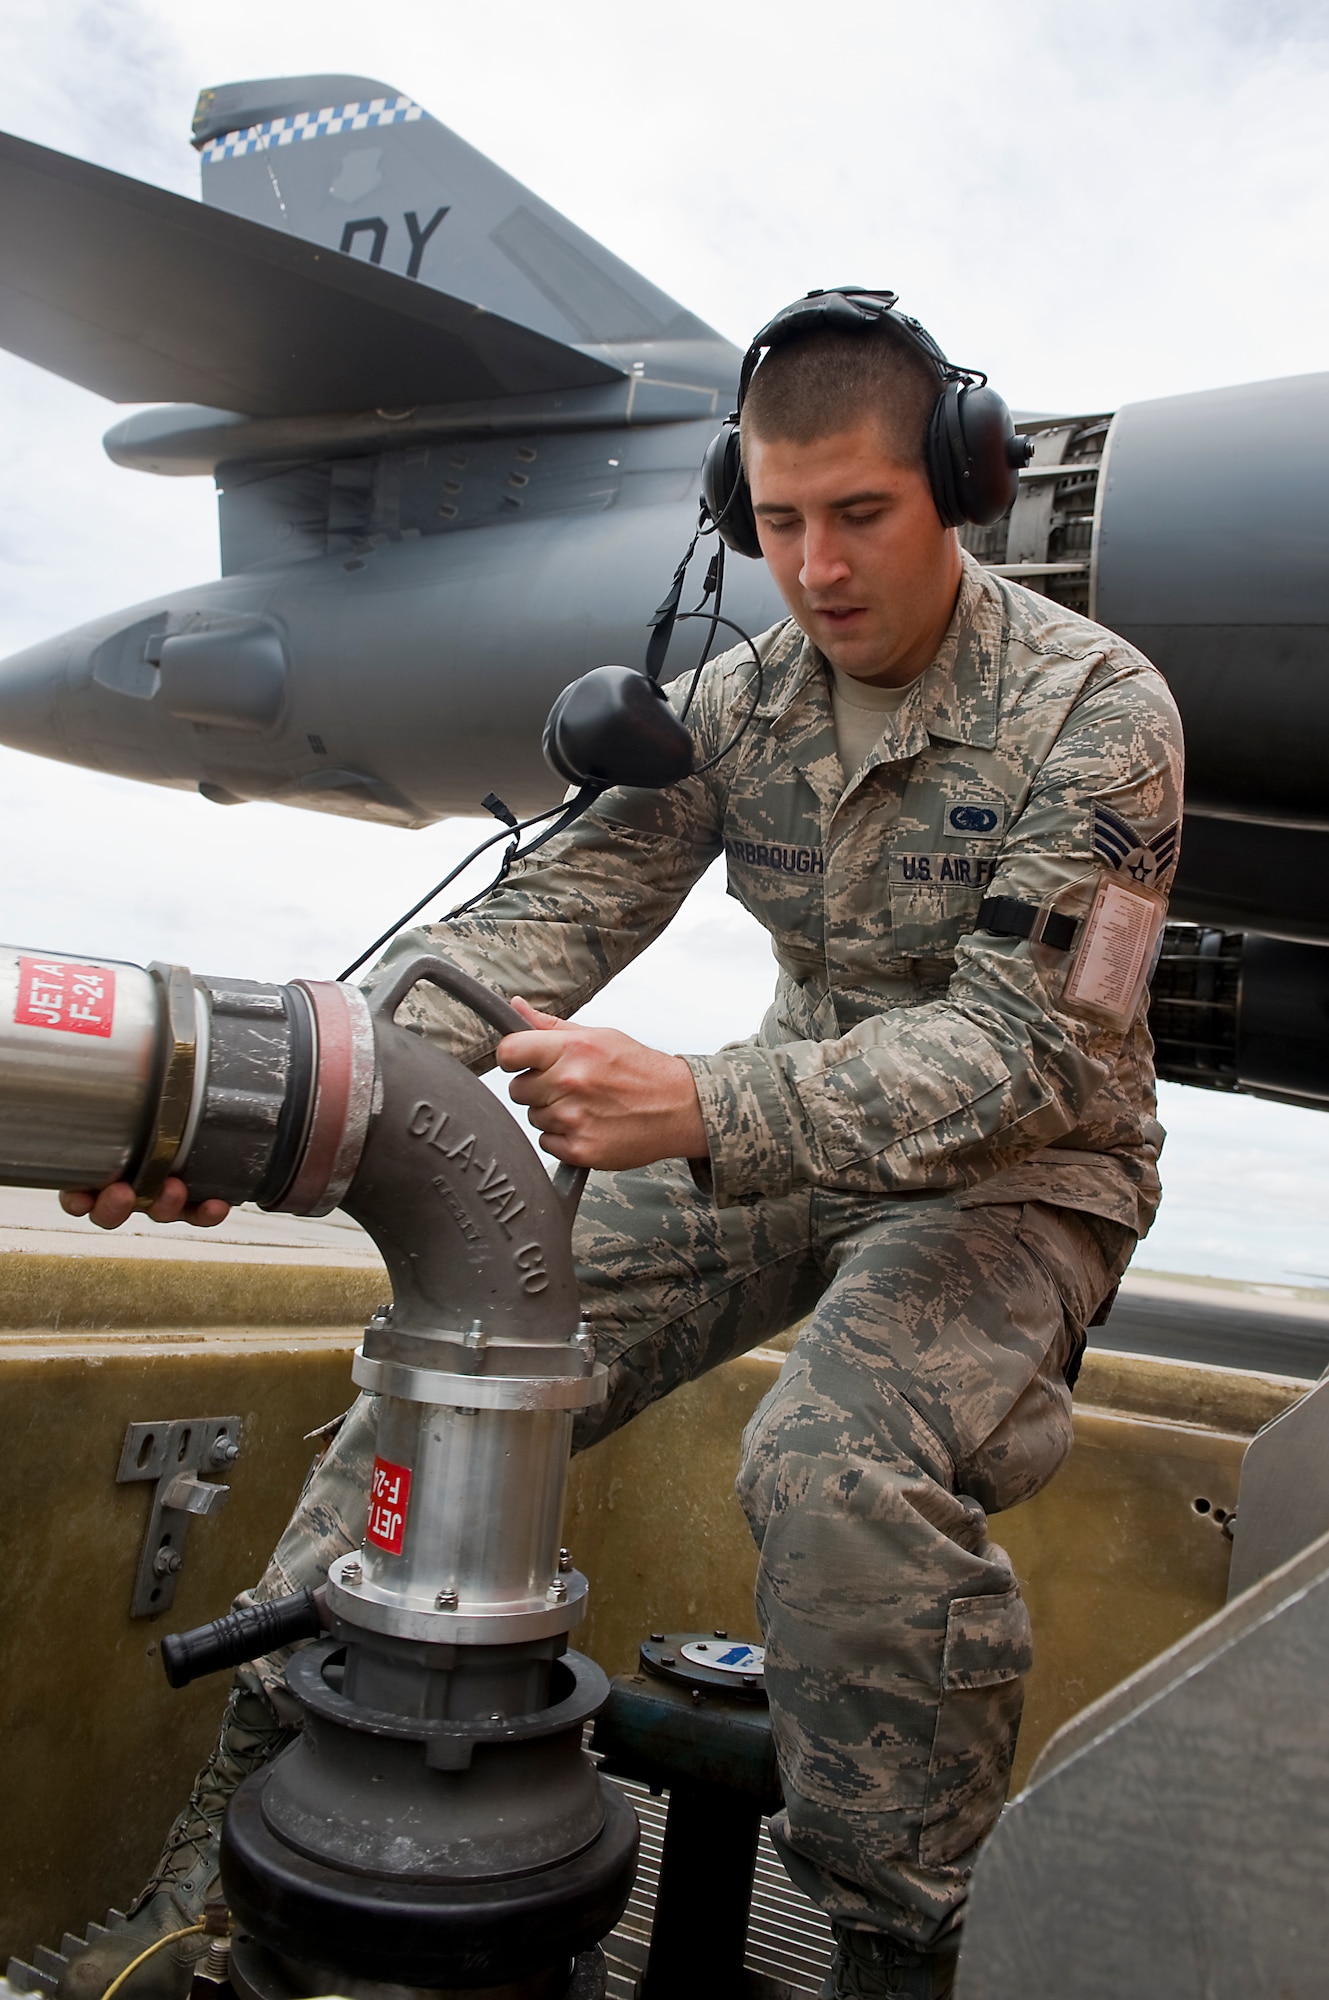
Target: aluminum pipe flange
(475, 1351)
(179, 1092)
(441, 1387)
(343, 1098)
(449, 1618)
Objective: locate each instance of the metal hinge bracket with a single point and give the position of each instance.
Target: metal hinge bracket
(173, 1455)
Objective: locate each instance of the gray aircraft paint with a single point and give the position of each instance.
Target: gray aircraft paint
(405, 589)
(1213, 558)
(424, 680)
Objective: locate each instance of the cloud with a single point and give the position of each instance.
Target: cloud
(1096, 203)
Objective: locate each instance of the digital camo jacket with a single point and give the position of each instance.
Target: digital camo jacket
(906, 1050)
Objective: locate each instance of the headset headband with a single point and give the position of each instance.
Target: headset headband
(848, 309)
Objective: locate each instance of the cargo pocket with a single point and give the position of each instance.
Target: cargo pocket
(988, 1650)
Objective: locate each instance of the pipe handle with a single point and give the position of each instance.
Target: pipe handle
(490, 1006)
(240, 1636)
(432, 971)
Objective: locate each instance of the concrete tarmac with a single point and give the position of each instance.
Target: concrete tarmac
(32, 1220)
(1273, 1329)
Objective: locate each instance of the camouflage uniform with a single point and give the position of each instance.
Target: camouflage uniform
(924, 1148)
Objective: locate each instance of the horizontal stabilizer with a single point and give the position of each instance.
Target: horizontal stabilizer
(144, 296)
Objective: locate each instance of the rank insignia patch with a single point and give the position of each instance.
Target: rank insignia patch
(1128, 852)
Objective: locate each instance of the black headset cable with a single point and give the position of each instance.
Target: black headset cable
(714, 619)
(562, 815)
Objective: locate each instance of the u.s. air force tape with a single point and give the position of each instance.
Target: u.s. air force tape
(1007, 916)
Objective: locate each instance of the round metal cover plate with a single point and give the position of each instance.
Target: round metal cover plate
(725, 1656)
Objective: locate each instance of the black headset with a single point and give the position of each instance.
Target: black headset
(973, 455)
(614, 726)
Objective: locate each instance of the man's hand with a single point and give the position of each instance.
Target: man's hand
(599, 1098)
(108, 1207)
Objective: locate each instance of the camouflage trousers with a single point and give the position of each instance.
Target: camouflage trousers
(928, 1388)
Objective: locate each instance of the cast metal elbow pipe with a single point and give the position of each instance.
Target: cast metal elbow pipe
(469, 1224)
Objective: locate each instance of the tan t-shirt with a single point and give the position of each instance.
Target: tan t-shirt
(860, 713)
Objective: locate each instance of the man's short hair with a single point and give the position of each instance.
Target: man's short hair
(830, 381)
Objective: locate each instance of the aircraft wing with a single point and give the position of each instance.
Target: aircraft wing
(144, 296)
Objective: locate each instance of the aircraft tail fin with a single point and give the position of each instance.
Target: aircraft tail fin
(353, 165)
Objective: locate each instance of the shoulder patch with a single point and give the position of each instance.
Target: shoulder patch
(1127, 852)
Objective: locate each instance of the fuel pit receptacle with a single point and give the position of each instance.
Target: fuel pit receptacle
(694, 1722)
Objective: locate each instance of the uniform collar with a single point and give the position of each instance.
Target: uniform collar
(955, 699)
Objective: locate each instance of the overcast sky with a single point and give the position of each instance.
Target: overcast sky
(1095, 202)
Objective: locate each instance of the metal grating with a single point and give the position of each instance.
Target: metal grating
(1045, 541)
(789, 1940)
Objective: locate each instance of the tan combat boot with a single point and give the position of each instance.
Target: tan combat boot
(186, 1876)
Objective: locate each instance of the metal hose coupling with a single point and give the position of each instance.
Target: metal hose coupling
(111, 1071)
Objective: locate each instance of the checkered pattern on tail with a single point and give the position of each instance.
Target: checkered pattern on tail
(313, 125)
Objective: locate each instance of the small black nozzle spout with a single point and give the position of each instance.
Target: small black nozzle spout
(240, 1636)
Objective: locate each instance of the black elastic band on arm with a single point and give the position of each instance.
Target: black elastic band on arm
(1006, 916)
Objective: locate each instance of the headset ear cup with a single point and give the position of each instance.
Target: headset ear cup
(724, 488)
(992, 456)
(946, 456)
(973, 458)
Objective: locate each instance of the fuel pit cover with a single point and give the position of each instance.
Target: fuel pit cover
(707, 1661)
(727, 1656)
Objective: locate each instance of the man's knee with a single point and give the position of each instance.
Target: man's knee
(820, 1421)
(1029, 1445)
(897, 1643)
